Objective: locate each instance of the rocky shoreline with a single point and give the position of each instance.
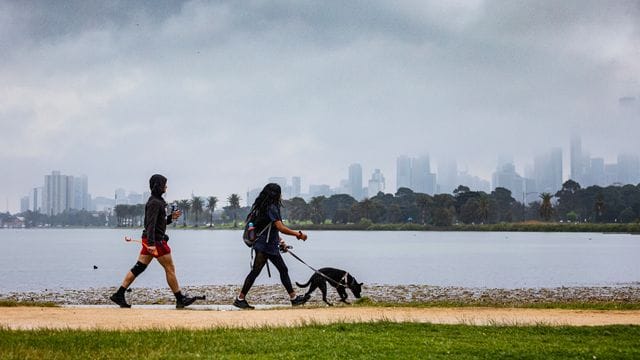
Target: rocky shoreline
(275, 295)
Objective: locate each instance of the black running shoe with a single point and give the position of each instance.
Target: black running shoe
(119, 299)
(242, 304)
(184, 301)
(299, 300)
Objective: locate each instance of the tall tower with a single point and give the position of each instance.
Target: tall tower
(577, 160)
(355, 181)
(403, 172)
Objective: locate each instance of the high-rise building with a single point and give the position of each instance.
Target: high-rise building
(55, 193)
(121, 197)
(296, 183)
(403, 172)
(547, 171)
(35, 199)
(415, 174)
(506, 177)
(80, 193)
(376, 183)
(355, 181)
(448, 176)
(320, 190)
(628, 169)
(595, 175)
(252, 195)
(24, 204)
(422, 179)
(61, 193)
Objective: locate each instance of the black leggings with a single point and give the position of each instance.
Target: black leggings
(258, 264)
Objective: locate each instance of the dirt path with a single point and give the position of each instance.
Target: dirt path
(114, 318)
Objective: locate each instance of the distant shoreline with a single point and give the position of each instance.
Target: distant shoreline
(633, 228)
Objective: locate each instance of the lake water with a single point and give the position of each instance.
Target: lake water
(63, 259)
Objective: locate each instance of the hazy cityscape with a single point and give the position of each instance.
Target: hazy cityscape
(60, 192)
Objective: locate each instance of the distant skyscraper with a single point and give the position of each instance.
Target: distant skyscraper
(421, 180)
(121, 197)
(320, 190)
(579, 161)
(35, 201)
(80, 193)
(628, 169)
(24, 204)
(376, 183)
(355, 181)
(548, 171)
(296, 183)
(403, 172)
(506, 177)
(55, 193)
(252, 195)
(448, 176)
(596, 174)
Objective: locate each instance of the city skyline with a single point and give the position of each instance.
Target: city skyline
(544, 173)
(215, 95)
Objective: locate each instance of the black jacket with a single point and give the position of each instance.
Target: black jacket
(156, 219)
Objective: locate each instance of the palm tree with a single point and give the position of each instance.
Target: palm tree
(483, 208)
(317, 209)
(424, 202)
(184, 206)
(546, 209)
(234, 205)
(196, 206)
(212, 201)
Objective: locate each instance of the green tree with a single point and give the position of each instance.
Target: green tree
(317, 213)
(444, 210)
(234, 206)
(184, 206)
(298, 209)
(424, 203)
(546, 208)
(627, 216)
(196, 205)
(212, 201)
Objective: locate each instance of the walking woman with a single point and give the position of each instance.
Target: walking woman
(154, 245)
(267, 246)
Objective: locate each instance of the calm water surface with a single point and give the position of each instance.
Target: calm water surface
(60, 258)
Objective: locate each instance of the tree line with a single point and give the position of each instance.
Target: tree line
(572, 203)
(594, 204)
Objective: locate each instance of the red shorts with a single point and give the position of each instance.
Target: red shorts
(162, 248)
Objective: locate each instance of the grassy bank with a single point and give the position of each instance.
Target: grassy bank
(568, 305)
(14, 303)
(349, 341)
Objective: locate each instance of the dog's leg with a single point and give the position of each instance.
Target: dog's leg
(323, 287)
(312, 287)
(343, 294)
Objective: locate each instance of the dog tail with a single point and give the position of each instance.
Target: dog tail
(303, 285)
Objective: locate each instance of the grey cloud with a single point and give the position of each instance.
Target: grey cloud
(322, 83)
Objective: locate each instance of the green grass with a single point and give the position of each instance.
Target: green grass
(381, 340)
(14, 303)
(569, 305)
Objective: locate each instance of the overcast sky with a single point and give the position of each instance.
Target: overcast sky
(220, 95)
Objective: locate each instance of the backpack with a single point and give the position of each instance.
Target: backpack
(249, 235)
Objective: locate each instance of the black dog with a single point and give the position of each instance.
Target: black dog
(339, 279)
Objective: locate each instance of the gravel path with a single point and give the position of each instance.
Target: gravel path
(113, 318)
(275, 295)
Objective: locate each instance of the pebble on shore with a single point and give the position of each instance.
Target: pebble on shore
(275, 295)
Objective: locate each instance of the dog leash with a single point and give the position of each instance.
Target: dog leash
(346, 285)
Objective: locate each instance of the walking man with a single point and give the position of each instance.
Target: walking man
(154, 245)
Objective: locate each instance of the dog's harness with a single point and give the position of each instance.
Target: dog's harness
(338, 283)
